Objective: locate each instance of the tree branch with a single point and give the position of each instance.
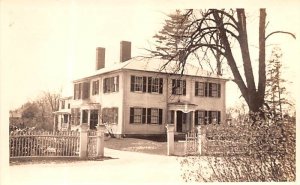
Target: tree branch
(284, 32)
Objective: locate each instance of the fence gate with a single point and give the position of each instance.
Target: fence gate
(92, 143)
(191, 143)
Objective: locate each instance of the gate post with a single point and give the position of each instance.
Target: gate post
(170, 138)
(100, 140)
(199, 140)
(83, 141)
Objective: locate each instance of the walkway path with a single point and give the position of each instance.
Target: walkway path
(125, 167)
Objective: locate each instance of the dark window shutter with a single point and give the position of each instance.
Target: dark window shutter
(117, 85)
(161, 86)
(131, 118)
(160, 116)
(219, 117)
(209, 117)
(206, 119)
(206, 89)
(196, 88)
(86, 90)
(144, 84)
(210, 90)
(104, 85)
(149, 115)
(144, 115)
(196, 117)
(173, 86)
(219, 90)
(132, 83)
(184, 87)
(149, 84)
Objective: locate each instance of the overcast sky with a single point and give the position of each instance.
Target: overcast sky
(47, 44)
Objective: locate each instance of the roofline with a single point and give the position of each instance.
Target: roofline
(122, 69)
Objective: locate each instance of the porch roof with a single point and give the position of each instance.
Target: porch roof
(185, 107)
(63, 111)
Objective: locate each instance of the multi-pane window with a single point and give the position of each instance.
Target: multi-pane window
(207, 117)
(111, 84)
(81, 90)
(138, 83)
(138, 115)
(178, 87)
(200, 89)
(95, 87)
(110, 115)
(207, 89)
(199, 117)
(154, 116)
(155, 85)
(77, 91)
(214, 90)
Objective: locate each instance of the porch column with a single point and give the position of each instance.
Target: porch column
(88, 118)
(81, 110)
(193, 120)
(175, 119)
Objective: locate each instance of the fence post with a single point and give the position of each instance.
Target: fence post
(170, 138)
(100, 140)
(83, 141)
(203, 140)
(199, 140)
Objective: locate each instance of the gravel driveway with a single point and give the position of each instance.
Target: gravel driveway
(123, 167)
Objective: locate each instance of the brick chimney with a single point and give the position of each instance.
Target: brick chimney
(100, 58)
(125, 51)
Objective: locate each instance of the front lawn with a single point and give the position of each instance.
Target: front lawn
(137, 145)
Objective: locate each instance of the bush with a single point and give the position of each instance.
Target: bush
(269, 154)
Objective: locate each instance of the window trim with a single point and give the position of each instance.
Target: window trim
(115, 116)
(178, 84)
(111, 84)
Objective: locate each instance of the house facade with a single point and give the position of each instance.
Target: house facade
(139, 96)
(62, 118)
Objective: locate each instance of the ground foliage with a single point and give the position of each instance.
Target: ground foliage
(269, 148)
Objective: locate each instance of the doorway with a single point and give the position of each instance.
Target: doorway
(181, 119)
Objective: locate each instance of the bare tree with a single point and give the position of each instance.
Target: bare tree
(214, 31)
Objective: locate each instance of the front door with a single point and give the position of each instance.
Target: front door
(179, 121)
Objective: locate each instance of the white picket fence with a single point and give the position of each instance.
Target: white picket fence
(43, 144)
(83, 144)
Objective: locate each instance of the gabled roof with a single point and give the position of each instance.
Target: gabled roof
(155, 65)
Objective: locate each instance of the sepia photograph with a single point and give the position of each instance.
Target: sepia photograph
(148, 92)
